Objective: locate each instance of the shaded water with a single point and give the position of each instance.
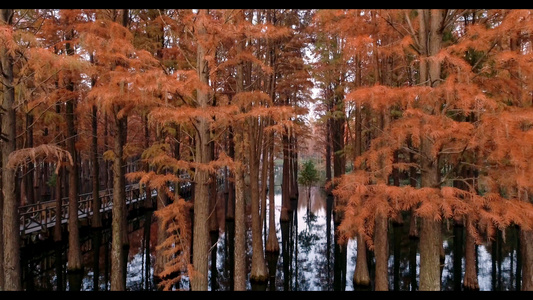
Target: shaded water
(309, 258)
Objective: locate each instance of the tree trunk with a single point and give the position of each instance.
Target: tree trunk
(201, 240)
(337, 135)
(30, 169)
(526, 243)
(160, 257)
(118, 275)
(328, 156)
(10, 215)
(470, 281)
(272, 244)
(259, 272)
(59, 203)
(96, 218)
(230, 202)
(240, 224)
(381, 252)
(285, 181)
(361, 277)
(240, 205)
(74, 250)
(119, 241)
(430, 231)
(263, 188)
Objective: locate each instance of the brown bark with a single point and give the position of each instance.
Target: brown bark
(59, 203)
(230, 204)
(285, 181)
(240, 206)
(430, 231)
(10, 215)
(240, 224)
(201, 240)
(160, 258)
(430, 234)
(30, 169)
(74, 250)
(263, 187)
(361, 277)
(526, 244)
(381, 253)
(119, 241)
(96, 218)
(430, 244)
(259, 271)
(272, 244)
(470, 281)
(118, 275)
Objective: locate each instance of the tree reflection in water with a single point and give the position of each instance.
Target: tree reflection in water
(309, 258)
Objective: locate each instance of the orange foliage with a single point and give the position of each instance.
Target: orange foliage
(478, 116)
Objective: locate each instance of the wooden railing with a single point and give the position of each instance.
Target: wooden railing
(43, 215)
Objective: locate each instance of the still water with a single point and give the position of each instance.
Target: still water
(309, 258)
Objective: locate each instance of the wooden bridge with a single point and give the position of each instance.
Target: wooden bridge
(39, 217)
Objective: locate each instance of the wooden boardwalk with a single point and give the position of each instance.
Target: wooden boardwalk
(39, 217)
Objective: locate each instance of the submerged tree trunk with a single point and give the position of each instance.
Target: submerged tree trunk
(74, 250)
(285, 181)
(272, 244)
(10, 215)
(59, 203)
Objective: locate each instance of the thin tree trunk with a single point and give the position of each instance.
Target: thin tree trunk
(96, 218)
(74, 250)
(230, 204)
(160, 258)
(263, 188)
(272, 244)
(59, 203)
(30, 169)
(240, 205)
(118, 276)
(285, 180)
